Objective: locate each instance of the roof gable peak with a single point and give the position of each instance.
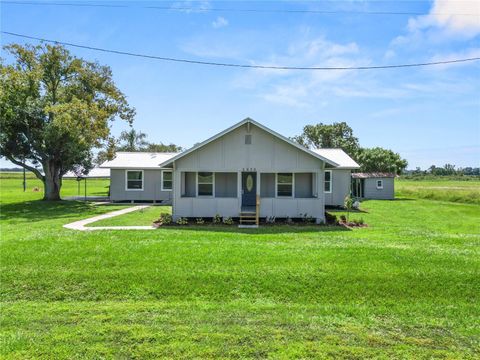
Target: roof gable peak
(236, 126)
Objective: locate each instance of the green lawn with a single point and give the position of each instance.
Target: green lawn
(11, 186)
(455, 191)
(140, 217)
(407, 286)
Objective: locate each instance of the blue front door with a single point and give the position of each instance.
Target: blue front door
(249, 189)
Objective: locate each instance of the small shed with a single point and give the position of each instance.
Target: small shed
(373, 186)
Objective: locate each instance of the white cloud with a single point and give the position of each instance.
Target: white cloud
(290, 95)
(191, 6)
(455, 17)
(220, 22)
(309, 87)
(466, 54)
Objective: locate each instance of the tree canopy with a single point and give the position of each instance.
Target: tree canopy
(132, 140)
(55, 109)
(336, 135)
(340, 135)
(378, 159)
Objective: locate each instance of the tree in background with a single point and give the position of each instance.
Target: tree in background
(54, 110)
(337, 135)
(378, 159)
(132, 140)
(340, 135)
(151, 147)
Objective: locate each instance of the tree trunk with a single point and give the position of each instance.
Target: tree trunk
(52, 182)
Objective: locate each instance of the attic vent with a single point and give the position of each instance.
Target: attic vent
(248, 139)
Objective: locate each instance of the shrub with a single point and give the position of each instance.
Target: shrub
(228, 221)
(199, 221)
(348, 203)
(164, 219)
(343, 218)
(307, 219)
(182, 221)
(331, 218)
(361, 222)
(270, 220)
(217, 219)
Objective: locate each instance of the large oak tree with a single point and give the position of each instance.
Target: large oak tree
(55, 109)
(336, 135)
(378, 159)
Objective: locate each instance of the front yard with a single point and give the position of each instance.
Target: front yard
(405, 287)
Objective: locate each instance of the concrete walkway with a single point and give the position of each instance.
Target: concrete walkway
(80, 225)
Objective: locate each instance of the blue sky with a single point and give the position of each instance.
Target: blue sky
(429, 115)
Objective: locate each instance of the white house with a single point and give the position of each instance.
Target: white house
(247, 171)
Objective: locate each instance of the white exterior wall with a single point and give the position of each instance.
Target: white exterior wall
(371, 191)
(152, 187)
(341, 183)
(266, 154)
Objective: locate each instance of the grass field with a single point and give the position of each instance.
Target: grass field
(455, 191)
(408, 286)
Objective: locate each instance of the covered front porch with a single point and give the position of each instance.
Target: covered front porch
(249, 194)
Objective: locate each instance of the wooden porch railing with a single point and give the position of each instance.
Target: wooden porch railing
(257, 210)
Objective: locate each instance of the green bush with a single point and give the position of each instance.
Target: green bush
(217, 219)
(331, 218)
(199, 221)
(182, 221)
(228, 221)
(307, 219)
(164, 219)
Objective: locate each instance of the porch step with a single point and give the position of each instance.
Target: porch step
(242, 226)
(249, 215)
(248, 218)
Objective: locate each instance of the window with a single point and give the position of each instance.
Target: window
(167, 180)
(205, 183)
(328, 181)
(379, 184)
(304, 185)
(134, 180)
(248, 139)
(285, 184)
(188, 184)
(267, 185)
(226, 184)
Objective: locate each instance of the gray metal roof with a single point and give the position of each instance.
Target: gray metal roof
(94, 173)
(338, 156)
(138, 160)
(372, 175)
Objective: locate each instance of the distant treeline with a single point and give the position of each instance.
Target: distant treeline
(11, 169)
(448, 171)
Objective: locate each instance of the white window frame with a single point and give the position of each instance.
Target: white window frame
(379, 187)
(213, 185)
(330, 182)
(126, 180)
(292, 183)
(171, 172)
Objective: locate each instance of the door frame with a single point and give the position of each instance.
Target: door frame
(255, 191)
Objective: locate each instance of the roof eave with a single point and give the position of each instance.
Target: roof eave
(237, 125)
